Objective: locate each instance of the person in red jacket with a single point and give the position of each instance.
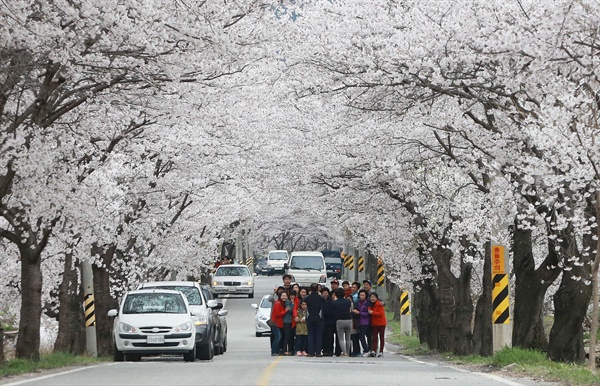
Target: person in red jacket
(277, 313)
(378, 323)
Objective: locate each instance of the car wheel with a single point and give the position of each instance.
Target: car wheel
(206, 352)
(250, 296)
(259, 334)
(225, 344)
(118, 356)
(190, 356)
(215, 296)
(133, 357)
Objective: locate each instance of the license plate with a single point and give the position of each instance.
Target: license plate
(155, 339)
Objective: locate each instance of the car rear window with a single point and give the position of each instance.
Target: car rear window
(154, 303)
(191, 293)
(333, 260)
(232, 271)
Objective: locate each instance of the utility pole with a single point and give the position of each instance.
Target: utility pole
(89, 308)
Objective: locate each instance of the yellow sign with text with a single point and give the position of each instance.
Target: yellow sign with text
(497, 259)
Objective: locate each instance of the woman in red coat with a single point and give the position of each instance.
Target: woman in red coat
(277, 313)
(378, 323)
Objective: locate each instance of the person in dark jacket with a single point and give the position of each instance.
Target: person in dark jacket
(314, 322)
(361, 309)
(328, 324)
(341, 306)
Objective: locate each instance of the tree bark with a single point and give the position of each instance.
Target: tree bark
(570, 303)
(425, 307)
(530, 289)
(103, 299)
(71, 324)
(483, 342)
(2, 356)
(28, 338)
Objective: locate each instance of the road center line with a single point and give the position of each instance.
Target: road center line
(265, 377)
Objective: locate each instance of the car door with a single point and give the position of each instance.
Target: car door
(215, 321)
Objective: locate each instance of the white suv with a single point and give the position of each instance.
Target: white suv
(307, 268)
(153, 322)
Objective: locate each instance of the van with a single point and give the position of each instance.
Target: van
(276, 261)
(307, 267)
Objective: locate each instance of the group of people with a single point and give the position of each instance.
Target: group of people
(320, 321)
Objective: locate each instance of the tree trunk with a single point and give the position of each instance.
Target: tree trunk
(530, 289)
(425, 307)
(594, 316)
(570, 304)
(28, 339)
(483, 342)
(103, 300)
(71, 324)
(2, 356)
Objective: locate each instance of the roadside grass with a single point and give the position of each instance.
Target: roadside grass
(47, 361)
(514, 361)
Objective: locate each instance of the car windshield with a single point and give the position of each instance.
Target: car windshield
(232, 271)
(333, 260)
(154, 303)
(278, 256)
(265, 303)
(191, 293)
(307, 262)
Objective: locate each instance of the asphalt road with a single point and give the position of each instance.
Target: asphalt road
(248, 362)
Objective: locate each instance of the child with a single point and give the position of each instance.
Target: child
(301, 330)
(378, 323)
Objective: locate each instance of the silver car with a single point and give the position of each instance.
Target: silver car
(263, 313)
(232, 279)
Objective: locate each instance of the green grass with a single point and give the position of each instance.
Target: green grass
(47, 361)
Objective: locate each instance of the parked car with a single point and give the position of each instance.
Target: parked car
(307, 267)
(263, 313)
(210, 319)
(232, 279)
(333, 263)
(153, 322)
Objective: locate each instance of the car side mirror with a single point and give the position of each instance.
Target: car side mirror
(254, 305)
(211, 303)
(113, 312)
(254, 274)
(223, 313)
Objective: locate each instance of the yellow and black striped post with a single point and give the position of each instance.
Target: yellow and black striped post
(500, 302)
(404, 303)
(380, 273)
(350, 265)
(361, 264)
(89, 310)
(405, 318)
(250, 263)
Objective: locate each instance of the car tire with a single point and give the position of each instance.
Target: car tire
(133, 357)
(215, 296)
(250, 296)
(206, 352)
(118, 356)
(259, 334)
(190, 356)
(225, 343)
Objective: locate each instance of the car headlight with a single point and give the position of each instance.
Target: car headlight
(124, 327)
(323, 279)
(187, 326)
(262, 318)
(249, 283)
(216, 283)
(200, 320)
